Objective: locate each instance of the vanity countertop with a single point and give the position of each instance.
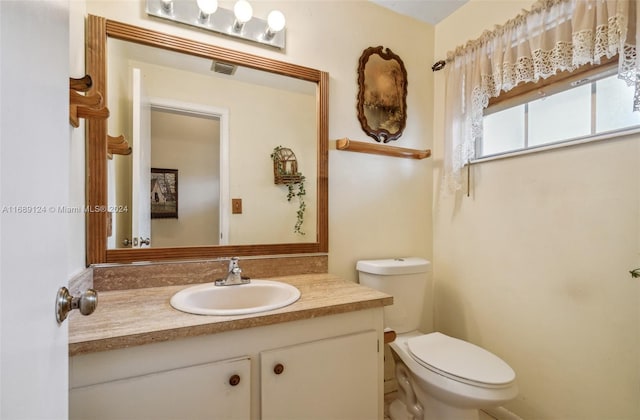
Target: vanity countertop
(127, 318)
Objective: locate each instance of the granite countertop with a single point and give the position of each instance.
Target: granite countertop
(127, 318)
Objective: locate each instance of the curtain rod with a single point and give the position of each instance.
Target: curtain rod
(537, 7)
(439, 65)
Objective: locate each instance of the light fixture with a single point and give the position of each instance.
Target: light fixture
(243, 12)
(275, 23)
(207, 7)
(239, 22)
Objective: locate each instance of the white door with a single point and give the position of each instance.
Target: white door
(141, 171)
(162, 105)
(34, 181)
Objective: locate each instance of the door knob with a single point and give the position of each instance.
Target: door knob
(65, 303)
(145, 241)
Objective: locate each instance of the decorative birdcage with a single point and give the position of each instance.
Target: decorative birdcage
(285, 172)
(285, 166)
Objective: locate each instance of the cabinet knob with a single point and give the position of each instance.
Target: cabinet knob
(234, 380)
(278, 369)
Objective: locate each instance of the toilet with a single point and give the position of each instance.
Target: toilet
(439, 377)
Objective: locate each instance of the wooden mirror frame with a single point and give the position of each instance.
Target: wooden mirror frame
(378, 133)
(98, 30)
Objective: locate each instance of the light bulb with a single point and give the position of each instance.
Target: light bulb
(208, 7)
(243, 11)
(276, 21)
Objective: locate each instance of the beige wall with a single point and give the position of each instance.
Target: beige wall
(254, 131)
(379, 206)
(534, 266)
(256, 117)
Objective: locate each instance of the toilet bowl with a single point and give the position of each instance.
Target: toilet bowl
(439, 377)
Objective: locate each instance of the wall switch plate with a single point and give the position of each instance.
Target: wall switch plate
(236, 206)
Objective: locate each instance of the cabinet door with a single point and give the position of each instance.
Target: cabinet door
(334, 378)
(204, 391)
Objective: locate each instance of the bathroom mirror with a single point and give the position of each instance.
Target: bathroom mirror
(103, 35)
(382, 94)
(214, 125)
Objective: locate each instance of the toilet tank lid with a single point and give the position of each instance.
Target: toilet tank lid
(394, 266)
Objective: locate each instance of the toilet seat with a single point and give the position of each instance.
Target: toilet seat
(460, 360)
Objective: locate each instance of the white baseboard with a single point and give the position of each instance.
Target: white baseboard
(501, 413)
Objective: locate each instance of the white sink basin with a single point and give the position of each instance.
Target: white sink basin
(257, 296)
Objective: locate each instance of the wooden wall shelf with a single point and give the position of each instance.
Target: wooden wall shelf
(379, 149)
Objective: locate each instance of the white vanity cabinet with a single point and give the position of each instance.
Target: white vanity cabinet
(332, 368)
(334, 378)
(212, 390)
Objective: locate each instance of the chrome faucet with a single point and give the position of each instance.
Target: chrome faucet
(234, 276)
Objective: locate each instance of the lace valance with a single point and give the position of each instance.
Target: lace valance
(554, 35)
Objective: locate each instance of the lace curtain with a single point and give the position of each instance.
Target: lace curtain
(554, 35)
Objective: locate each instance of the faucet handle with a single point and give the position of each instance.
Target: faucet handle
(233, 274)
(233, 264)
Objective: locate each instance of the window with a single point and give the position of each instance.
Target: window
(581, 106)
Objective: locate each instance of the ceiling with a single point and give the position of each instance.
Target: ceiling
(429, 11)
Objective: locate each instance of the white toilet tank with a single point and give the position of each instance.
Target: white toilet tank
(403, 278)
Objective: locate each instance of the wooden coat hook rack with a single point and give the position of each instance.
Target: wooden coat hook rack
(81, 85)
(379, 149)
(117, 146)
(90, 105)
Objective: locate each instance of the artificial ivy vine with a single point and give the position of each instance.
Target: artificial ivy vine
(295, 186)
